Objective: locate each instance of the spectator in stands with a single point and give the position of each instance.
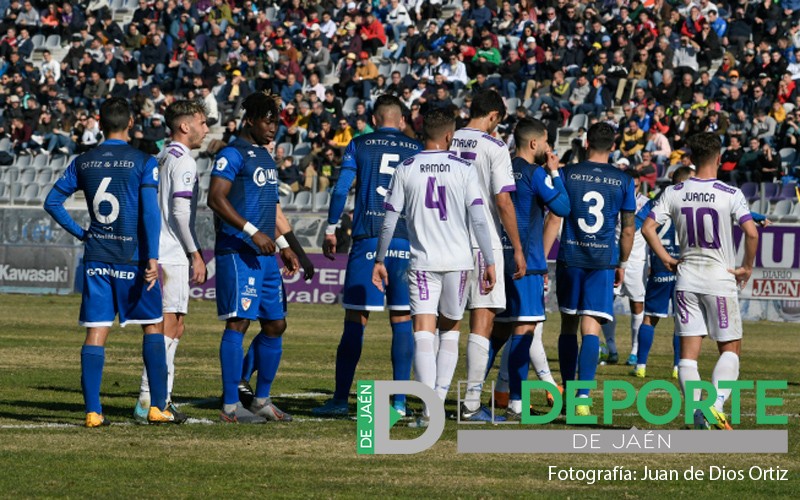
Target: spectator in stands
(346, 72)
(372, 34)
(290, 174)
(487, 59)
(365, 75)
(633, 141)
(658, 144)
(768, 164)
(648, 171)
(730, 169)
(342, 136)
(362, 127)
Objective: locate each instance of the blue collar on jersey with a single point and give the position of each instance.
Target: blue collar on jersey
(114, 142)
(389, 128)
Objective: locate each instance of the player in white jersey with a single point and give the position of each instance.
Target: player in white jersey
(439, 194)
(702, 210)
(633, 286)
(179, 249)
(492, 162)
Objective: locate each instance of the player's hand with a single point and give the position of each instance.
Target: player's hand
(264, 243)
(521, 265)
(765, 223)
(151, 273)
(552, 161)
(308, 267)
(489, 279)
(619, 277)
(290, 261)
(199, 271)
(329, 246)
(380, 278)
(742, 275)
(671, 264)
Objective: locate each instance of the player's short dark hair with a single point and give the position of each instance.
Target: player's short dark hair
(260, 105)
(681, 174)
(527, 128)
(705, 146)
(600, 137)
(486, 101)
(115, 115)
(179, 110)
(388, 101)
(436, 122)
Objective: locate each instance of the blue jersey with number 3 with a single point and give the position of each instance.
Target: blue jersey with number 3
(598, 192)
(111, 176)
(374, 157)
(254, 193)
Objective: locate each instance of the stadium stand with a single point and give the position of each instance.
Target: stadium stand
(670, 67)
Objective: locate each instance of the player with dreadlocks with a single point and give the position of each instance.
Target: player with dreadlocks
(250, 224)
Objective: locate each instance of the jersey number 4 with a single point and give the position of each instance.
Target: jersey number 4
(436, 198)
(102, 195)
(388, 165)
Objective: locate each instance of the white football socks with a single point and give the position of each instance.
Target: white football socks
(687, 370)
(172, 346)
(636, 322)
(446, 361)
(424, 361)
(477, 360)
(539, 357)
(727, 368)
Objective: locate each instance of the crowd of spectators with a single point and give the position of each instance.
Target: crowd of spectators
(658, 70)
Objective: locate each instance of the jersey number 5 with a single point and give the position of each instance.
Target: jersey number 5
(386, 168)
(102, 195)
(596, 210)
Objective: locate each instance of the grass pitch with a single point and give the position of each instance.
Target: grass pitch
(44, 451)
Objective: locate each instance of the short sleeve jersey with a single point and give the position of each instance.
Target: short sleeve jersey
(703, 212)
(112, 176)
(534, 191)
(492, 162)
(374, 157)
(666, 233)
(436, 189)
(254, 193)
(178, 180)
(598, 192)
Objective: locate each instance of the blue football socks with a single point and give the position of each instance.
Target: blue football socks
(92, 360)
(249, 364)
(268, 353)
(567, 356)
(646, 334)
(676, 350)
(231, 361)
(518, 362)
(587, 360)
(495, 347)
(155, 362)
(402, 354)
(347, 356)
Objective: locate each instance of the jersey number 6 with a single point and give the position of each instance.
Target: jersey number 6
(102, 195)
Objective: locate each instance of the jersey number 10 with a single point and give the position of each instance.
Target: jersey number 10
(696, 227)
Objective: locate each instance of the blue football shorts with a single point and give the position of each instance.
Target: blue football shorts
(585, 292)
(249, 286)
(360, 293)
(657, 299)
(524, 299)
(118, 289)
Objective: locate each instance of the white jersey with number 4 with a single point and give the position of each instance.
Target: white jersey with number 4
(492, 162)
(435, 190)
(703, 212)
(178, 180)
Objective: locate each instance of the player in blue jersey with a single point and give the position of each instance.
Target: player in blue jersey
(370, 160)
(244, 196)
(590, 263)
(539, 186)
(120, 255)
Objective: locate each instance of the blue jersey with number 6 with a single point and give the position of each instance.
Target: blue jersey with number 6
(111, 176)
(372, 159)
(598, 192)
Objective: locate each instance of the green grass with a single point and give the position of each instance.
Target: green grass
(44, 452)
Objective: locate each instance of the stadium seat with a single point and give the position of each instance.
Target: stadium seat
(271, 14)
(750, 191)
(788, 156)
(204, 180)
(15, 192)
(40, 161)
(755, 206)
(22, 161)
(45, 176)
(38, 41)
(770, 190)
(27, 176)
(350, 204)
(287, 148)
(286, 199)
(786, 192)
(302, 201)
(349, 107)
(30, 195)
(794, 215)
(203, 165)
(5, 144)
(302, 150)
(782, 208)
(385, 69)
(321, 201)
(402, 67)
(511, 105)
(53, 42)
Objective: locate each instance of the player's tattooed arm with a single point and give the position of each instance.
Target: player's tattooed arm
(218, 202)
(508, 216)
(628, 223)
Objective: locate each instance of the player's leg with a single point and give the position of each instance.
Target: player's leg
(498, 343)
(656, 305)
(424, 291)
(484, 306)
(568, 289)
(400, 316)
(725, 327)
(452, 302)
(538, 358)
(646, 335)
(533, 310)
(518, 365)
(637, 316)
(691, 327)
(610, 336)
(633, 288)
(268, 344)
(238, 300)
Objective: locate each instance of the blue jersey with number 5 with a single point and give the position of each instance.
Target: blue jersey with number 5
(598, 192)
(372, 158)
(111, 177)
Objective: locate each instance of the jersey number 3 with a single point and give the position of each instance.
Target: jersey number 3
(388, 164)
(102, 195)
(595, 209)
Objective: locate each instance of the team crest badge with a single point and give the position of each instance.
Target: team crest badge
(245, 304)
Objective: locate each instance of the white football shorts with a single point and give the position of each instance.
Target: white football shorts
(478, 298)
(175, 288)
(635, 282)
(700, 314)
(432, 292)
